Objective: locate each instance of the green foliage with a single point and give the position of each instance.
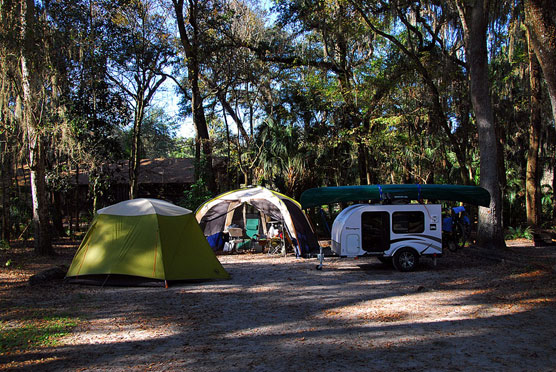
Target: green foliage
(195, 196)
(157, 135)
(36, 332)
(20, 215)
(547, 205)
(519, 233)
(183, 148)
(284, 157)
(4, 245)
(59, 179)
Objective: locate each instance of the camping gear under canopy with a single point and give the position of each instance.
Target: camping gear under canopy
(328, 195)
(217, 214)
(145, 238)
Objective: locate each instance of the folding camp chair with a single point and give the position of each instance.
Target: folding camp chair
(236, 237)
(251, 232)
(276, 244)
(252, 227)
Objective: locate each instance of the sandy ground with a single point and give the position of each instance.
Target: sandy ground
(281, 314)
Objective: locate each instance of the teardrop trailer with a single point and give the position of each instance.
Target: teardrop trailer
(388, 227)
(400, 233)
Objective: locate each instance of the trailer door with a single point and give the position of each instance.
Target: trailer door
(375, 231)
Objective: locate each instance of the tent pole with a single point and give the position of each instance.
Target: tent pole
(244, 215)
(166, 284)
(105, 280)
(263, 222)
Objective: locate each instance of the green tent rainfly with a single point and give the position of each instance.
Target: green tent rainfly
(146, 238)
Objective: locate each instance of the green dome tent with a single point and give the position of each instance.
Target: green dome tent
(146, 238)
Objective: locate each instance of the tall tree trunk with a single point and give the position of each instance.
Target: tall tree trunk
(145, 93)
(200, 122)
(135, 158)
(502, 178)
(368, 162)
(6, 151)
(229, 109)
(95, 181)
(74, 228)
(43, 245)
(554, 193)
(533, 204)
(41, 225)
(228, 176)
(5, 158)
(540, 18)
(191, 49)
(474, 19)
(6, 187)
(361, 149)
(57, 222)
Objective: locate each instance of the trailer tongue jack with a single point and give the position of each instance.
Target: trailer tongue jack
(320, 257)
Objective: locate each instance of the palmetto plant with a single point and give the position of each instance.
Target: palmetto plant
(283, 158)
(547, 203)
(519, 233)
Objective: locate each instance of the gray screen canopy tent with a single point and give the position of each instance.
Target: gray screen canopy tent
(215, 215)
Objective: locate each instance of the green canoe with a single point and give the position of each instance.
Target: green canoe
(328, 195)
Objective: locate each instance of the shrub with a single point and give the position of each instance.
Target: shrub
(519, 233)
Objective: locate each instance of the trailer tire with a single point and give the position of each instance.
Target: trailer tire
(406, 259)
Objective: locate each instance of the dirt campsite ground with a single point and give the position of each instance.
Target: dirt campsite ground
(469, 313)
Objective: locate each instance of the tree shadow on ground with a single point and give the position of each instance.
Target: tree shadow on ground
(470, 344)
(284, 315)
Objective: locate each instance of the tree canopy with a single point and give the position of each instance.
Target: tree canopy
(293, 96)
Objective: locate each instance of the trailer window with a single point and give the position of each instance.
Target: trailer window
(408, 222)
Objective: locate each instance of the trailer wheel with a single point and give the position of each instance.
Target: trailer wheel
(406, 259)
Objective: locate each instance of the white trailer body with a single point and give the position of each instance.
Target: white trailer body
(385, 230)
